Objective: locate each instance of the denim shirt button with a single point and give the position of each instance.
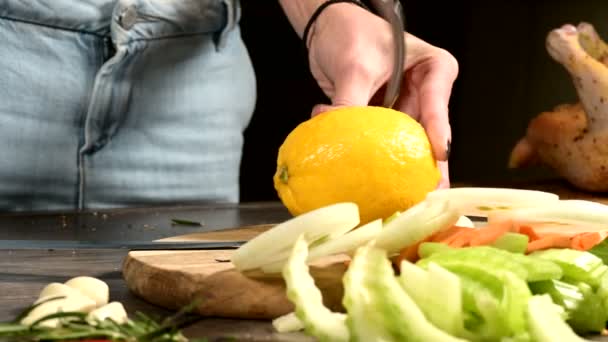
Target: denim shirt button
(128, 18)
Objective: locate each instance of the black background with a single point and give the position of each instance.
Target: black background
(506, 78)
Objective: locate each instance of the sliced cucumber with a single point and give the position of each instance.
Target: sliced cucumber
(379, 309)
(273, 245)
(483, 201)
(287, 323)
(346, 243)
(546, 323)
(318, 320)
(415, 224)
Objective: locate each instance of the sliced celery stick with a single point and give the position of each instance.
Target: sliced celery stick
(514, 302)
(546, 324)
(499, 296)
(590, 316)
(379, 309)
(512, 242)
(318, 320)
(525, 267)
(567, 295)
(433, 288)
(576, 265)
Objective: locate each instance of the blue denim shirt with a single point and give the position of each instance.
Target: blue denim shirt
(111, 103)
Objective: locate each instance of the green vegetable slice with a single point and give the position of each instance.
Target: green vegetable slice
(432, 289)
(590, 316)
(576, 265)
(546, 323)
(275, 244)
(493, 258)
(318, 320)
(512, 242)
(601, 251)
(378, 307)
(566, 295)
(426, 249)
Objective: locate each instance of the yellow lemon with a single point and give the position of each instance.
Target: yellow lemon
(379, 158)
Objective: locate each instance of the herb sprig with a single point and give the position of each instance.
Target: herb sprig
(74, 326)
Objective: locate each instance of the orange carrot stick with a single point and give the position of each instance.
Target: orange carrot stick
(527, 230)
(488, 234)
(448, 233)
(461, 239)
(586, 241)
(549, 241)
(409, 253)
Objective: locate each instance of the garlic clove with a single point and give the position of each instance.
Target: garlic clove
(71, 303)
(93, 288)
(114, 310)
(56, 290)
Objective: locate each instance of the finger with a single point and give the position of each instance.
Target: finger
(351, 89)
(354, 88)
(444, 181)
(321, 108)
(434, 95)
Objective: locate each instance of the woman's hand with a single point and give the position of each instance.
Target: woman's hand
(350, 55)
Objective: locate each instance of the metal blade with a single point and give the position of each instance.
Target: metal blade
(392, 12)
(126, 245)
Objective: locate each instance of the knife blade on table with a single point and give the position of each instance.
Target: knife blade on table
(126, 245)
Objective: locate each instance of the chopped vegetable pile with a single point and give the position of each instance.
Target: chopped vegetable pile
(536, 271)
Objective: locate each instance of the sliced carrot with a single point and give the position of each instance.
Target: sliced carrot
(586, 241)
(488, 234)
(409, 253)
(448, 233)
(527, 230)
(549, 241)
(462, 238)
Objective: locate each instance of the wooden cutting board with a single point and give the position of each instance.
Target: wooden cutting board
(173, 279)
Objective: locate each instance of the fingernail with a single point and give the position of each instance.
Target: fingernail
(448, 149)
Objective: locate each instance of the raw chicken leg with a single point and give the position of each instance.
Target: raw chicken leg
(573, 138)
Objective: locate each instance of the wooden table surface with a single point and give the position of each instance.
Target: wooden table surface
(24, 272)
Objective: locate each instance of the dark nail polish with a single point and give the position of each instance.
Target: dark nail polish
(448, 149)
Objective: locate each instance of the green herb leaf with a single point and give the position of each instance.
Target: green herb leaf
(186, 223)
